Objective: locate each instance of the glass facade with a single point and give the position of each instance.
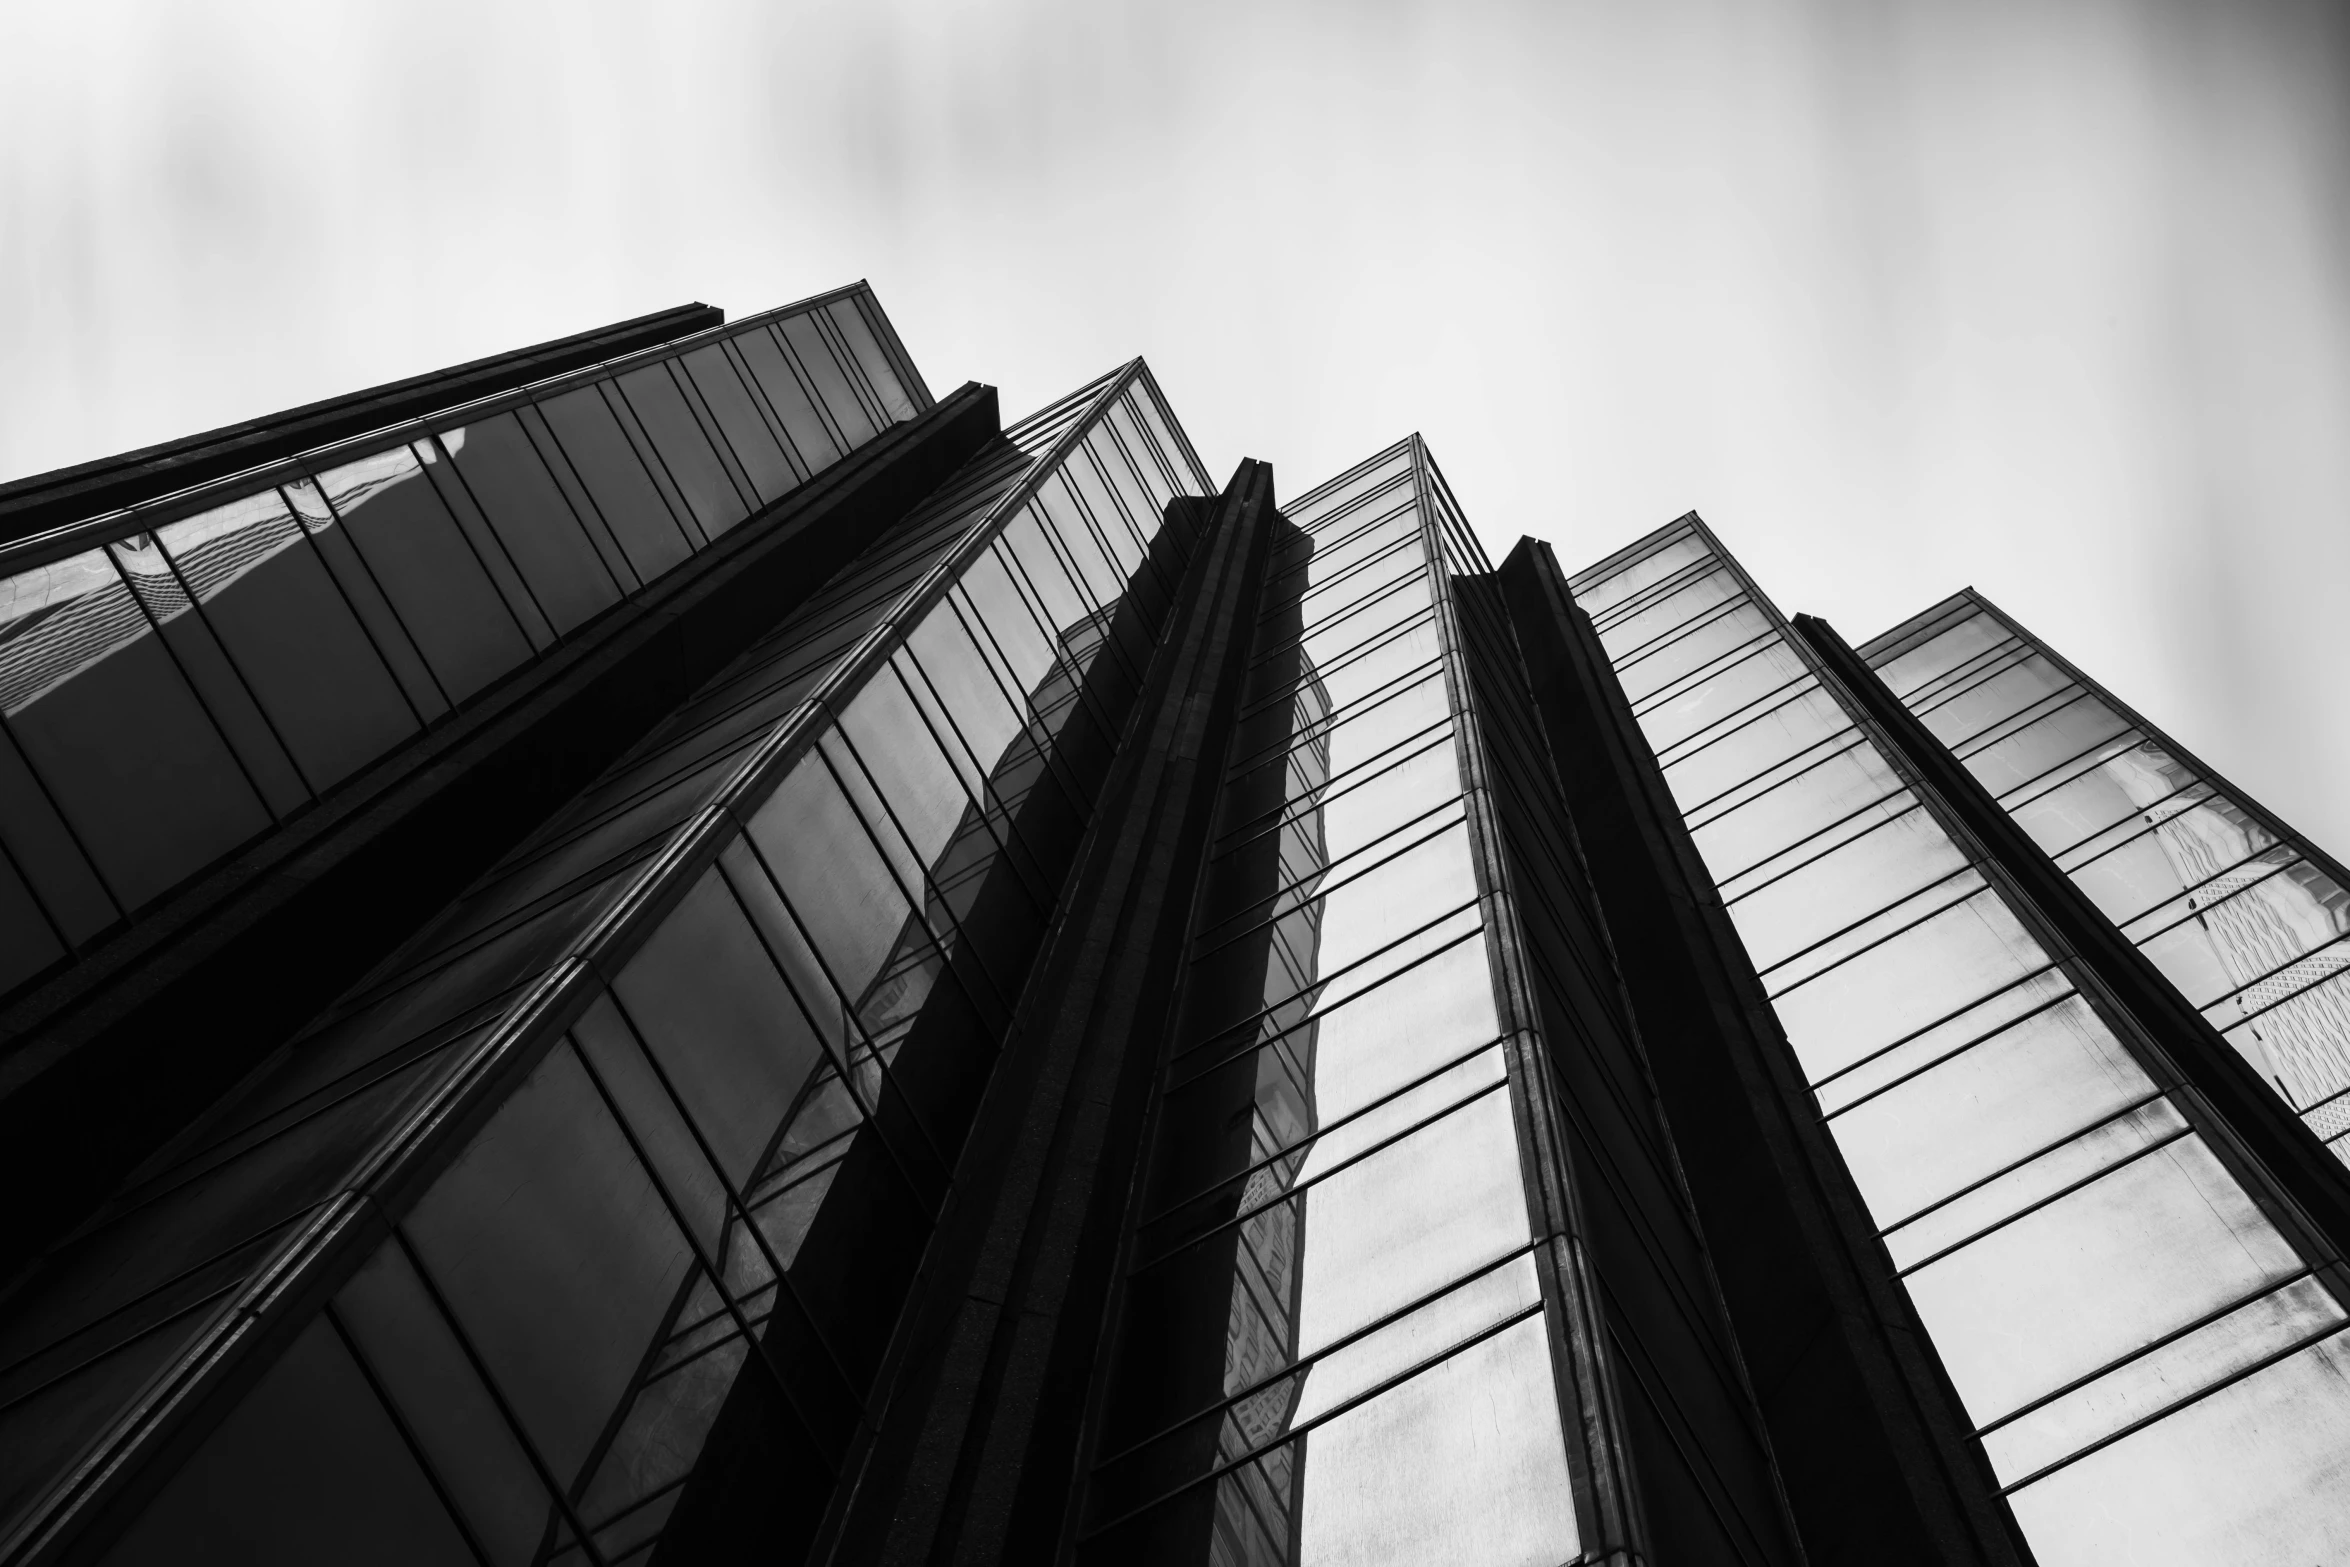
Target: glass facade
(643, 1138)
(1353, 1310)
(1058, 1013)
(179, 678)
(2247, 918)
(2149, 1341)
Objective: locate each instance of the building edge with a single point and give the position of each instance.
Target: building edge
(42, 501)
(1873, 1450)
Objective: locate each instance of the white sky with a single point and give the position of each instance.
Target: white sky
(2052, 298)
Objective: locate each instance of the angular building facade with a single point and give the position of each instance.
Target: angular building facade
(666, 948)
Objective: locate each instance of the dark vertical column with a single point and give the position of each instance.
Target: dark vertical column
(975, 1449)
(2310, 1182)
(1871, 1443)
(1707, 1488)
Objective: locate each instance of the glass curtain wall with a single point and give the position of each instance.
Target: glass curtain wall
(617, 1174)
(2243, 915)
(2153, 1352)
(1709, 1489)
(1338, 1334)
(179, 677)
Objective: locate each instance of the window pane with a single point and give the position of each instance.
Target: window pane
(27, 942)
(849, 321)
(739, 420)
(1599, 595)
(555, 1255)
(716, 1014)
(685, 453)
(2027, 754)
(1781, 734)
(227, 699)
(1952, 957)
(1803, 814)
(268, 597)
(824, 374)
(1629, 636)
(1990, 696)
(408, 1345)
(1179, 478)
(2253, 1473)
(1904, 853)
(880, 374)
(624, 493)
(1375, 1037)
(1139, 477)
(357, 584)
(104, 717)
(427, 570)
(1996, 1105)
(2148, 1247)
(2265, 1329)
(1080, 545)
(1463, 1462)
(1689, 649)
(1397, 794)
(1376, 485)
(1931, 661)
(810, 438)
(828, 869)
(1765, 673)
(307, 1469)
(549, 546)
(1043, 575)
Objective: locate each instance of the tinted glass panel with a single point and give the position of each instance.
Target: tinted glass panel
(624, 494)
(684, 451)
(293, 636)
(109, 725)
(427, 569)
(547, 544)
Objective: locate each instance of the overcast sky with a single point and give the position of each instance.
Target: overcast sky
(2049, 298)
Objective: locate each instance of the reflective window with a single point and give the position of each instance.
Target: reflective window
(2239, 915)
(1313, 1307)
(683, 448)
(825, 376)
(624, 495)
(742, 424)
(112, 732)
(2100, 1283)
(252, 645)
(699, 1191)
(504, 475)
(432, 574)
(292, 635)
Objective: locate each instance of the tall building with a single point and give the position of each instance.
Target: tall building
(666, 948)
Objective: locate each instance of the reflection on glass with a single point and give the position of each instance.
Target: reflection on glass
(252, 654)
(617, 1260)
(2096, 1282)
(1315, 1300)
(292, 634)
(2244, 924)
(111, 726)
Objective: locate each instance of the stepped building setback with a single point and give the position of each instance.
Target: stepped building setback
(666, 948)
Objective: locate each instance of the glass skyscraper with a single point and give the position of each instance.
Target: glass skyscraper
(668, 948)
